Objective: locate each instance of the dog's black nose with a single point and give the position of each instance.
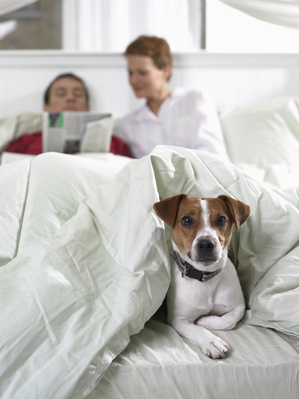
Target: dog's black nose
(205, 246)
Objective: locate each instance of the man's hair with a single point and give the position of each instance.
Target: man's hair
(65, 75)
(151, 46)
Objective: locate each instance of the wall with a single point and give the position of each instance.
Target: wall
(233, 80)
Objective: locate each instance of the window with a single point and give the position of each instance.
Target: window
(37, 26)
(109, 25)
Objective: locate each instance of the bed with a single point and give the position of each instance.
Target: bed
(85, 268)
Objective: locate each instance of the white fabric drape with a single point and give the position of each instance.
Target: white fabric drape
(110, 25)
(279, 12)
(12, 5)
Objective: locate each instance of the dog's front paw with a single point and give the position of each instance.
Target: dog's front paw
(216, 348)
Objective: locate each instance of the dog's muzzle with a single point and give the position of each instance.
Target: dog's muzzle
(206, 251)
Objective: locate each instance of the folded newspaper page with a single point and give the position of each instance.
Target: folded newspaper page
(64, 131)
(97, 136)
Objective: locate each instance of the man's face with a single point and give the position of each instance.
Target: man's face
(67, 94)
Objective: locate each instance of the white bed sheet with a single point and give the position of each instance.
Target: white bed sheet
(86, 265)
(159, 364)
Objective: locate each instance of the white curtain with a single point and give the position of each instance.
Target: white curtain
(12, 5)
(279, 12)
(110, 25)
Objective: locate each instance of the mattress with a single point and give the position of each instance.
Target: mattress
(159, 364)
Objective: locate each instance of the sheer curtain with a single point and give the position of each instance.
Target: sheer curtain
(110, 25)
(12, 5)
(279, 12)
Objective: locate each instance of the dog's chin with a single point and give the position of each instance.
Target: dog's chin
(203, 263)
(204, 260)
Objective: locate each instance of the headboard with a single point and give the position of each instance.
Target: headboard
(232, 79)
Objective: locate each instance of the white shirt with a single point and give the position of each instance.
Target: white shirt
(185, 119)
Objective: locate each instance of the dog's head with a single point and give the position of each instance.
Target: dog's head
(202, 227)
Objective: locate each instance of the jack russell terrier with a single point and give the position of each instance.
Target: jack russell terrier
(210, 294)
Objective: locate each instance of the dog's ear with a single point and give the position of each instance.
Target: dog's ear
(240, 212)
(167, 209)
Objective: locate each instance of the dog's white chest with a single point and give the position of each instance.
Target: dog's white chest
(194, 298)
(193, 294)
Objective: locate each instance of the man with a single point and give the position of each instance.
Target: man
(67, 92)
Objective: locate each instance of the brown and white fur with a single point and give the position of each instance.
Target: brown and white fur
(201, 233)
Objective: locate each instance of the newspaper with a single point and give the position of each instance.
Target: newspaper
(64, 131)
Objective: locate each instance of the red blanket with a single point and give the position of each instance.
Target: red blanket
(32, 144)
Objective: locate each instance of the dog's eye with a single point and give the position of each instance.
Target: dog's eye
(187, 221)
(221, 221)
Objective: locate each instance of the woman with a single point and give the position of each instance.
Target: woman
(180, 118)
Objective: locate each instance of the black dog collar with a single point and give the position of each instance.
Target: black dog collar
(188, 270)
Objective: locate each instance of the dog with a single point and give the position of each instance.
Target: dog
(209, 296)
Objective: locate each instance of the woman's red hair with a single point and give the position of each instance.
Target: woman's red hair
(151, 46)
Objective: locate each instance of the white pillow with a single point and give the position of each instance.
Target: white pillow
(264, 134)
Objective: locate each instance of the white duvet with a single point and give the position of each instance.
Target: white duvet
(85, 260)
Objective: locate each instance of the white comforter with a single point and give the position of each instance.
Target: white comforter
(85, 260)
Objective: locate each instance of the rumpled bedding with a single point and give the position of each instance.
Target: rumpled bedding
(85, 260)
